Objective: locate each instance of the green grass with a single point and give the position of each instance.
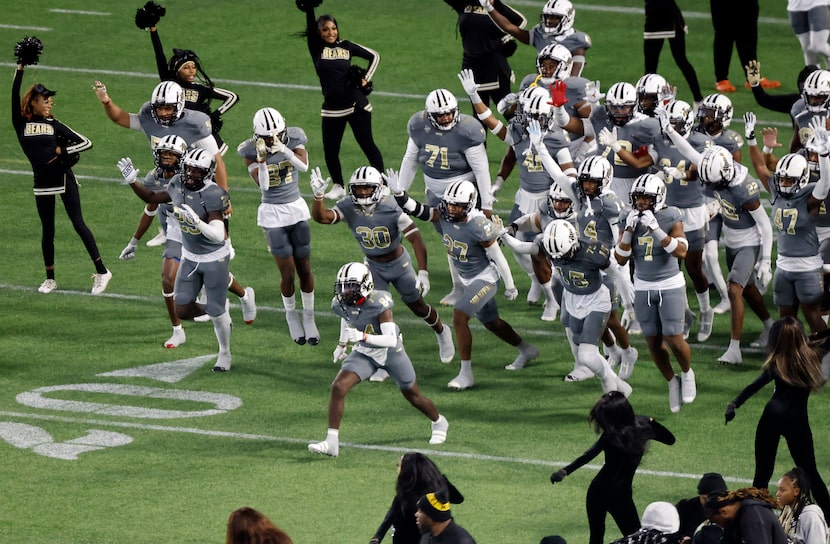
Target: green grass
(178, 479)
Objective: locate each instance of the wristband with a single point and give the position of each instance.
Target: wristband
(660, 234)
(767, 150)
(626, 238)
(751, 142)
(623, 252)
(489, 8)
(485, 114)
(671, 246)
(496, 129)
(150, 213)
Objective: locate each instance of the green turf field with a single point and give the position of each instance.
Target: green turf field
(102, 447)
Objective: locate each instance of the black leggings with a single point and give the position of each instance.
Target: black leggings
(604, 497)
(333, 129)
(651, 51)
(72, 203)
(735, 23)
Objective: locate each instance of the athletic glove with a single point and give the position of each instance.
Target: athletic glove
(128, 171)
(391, 178)
(128, 252)
(557, 93)
(592, 94)
(339, 353)
(355, 335)
(486, 5)
(648, 220)
(498, 224)
(318, 184)
(422, 282)
(749, 125)
(261, 150)
(730, 412)
(609, 139)
(558, 476)
(753, 73)
(28, 50)
(662, 115)
(189, 215)
(673, 172)
(534, 130)
(763, 273)
(511, 294)
(496, 187)
(468, 82)
(632, 220)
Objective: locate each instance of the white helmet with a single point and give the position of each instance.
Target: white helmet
(716, 168)
(524, 97)
(649, 185)
(556, 196)
(651, 89)
(366, 176)
(173, 144)
(353, 284)
(539, 108)
(792, 169)
(715, 113)
(198, 167)
(167, 93)
(560, 239)
(557, 53)
(681, 117)
(459, 193)
(269, 123)
(620, 102)
(441, 102)
(564, 10)
(594, 168)
(816, 91)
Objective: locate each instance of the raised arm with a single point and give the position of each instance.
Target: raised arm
(504, 23)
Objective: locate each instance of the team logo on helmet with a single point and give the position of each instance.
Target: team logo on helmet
(167, 103)
(560, 239)
(620, 102)
(366, 186)
(172, 145)
(198, 168)
(269, 125)
(458, 201)
(442, 109)
(594, 169)
(650, 187)
(353, 284)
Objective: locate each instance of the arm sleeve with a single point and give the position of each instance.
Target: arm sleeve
(685, 147)
(555, 172)
(295, 160)
(661, 433)
(214, 231)
(228, 98)
(344, 331)
(752, 388)
(75, 142)
(369, 54)
(781, 103)
(17, 117)
(388, 337)
(161, 58)
(477, 157)
(765, 227)
(494, 254)
(518, 246)
(409, 165)
(822, 188)
(589, 454)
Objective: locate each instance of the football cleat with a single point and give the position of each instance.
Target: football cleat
(177, 339)
(705, 330)
(675, 402)
(249, 306)
(446, 349)
(627, 361)
(762, 340)
(223, 362)
(452, 297)
(380, 375)
(325, 447)
(295, 327)
(523, 358)
(336, 193)
(312, 335)
(462, 381)
(47, 286)
(731, 357)
(439, 430)
(100, 282)
(688, 388)
(722, 307)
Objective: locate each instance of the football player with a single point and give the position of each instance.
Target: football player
(275, 156)
(653, 236)
(377, 224)
(198, 205)
(367, 323)
(470, 239)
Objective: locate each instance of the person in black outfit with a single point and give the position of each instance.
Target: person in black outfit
(52, 149)
(434, 519)
(486, 46)
(691, 510)
(417, 475)
(746, 516)
(794, 364)
(345, 87)
(664, 21)
(624, 439)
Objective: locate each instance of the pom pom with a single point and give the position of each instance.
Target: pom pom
(308, 5)
(149, 15)
(28, 50)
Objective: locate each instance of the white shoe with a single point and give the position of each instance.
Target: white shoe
(613, 353)
(295, 327)
(157, 240)
(762, 340)
(324, 447)
(731, 357)
(47, 286)
(523, 358)
(312, 335)
(627, 361)
(223, 362)
(336, 193)
(623, 387)
(100, 282)
(446, 349)
(689, 320)
(688, 388)
(451, 298)
(705, 329)
(549, 314)
(461, 382)
(204, 318)
(380, 375)
(578, 374)
(177, 339)
(439, 430)
(722, 307)
(249, 308)
(675, 403)
(534, 293)
(634, 326)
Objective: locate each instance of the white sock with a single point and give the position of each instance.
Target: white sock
(547, 289)
(289, 303)
(466, 366)
(735, 344)
(308, 300)
(222, 328)
(703, 301)
(333, 436)
(768, 323)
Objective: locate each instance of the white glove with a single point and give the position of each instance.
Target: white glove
(507, 103)
(817, 142)
(128, 171)
(648, 220)
(339, 353)
(318, 184)
(422, 282)
(468, 81)
(673, 172)
(189, 215)
(749, 125)
(261, 150)
(627, 318)
(495, 187)
(662, 115)
(355, 335)
(392, 180)
(592, 94)
(818, 123)
(498, 224)
(608, 138)
(763, 274)
(511, 294)
(486, 5)
(632, 220)
(277, 146)
(534, 130)
(128, 252)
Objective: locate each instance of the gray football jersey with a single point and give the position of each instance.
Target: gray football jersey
(365, 317)
(462, 243)
(634, 136)
(652, 262)
(679, 192)
(732, 200)
(283, 178)
(595, 216)
(192, 126)
(728, 139)
(376, 232)
(211, 198)
(441, 152)
(155, 181)
(533, 177)
(794, 224)
(581, 273)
